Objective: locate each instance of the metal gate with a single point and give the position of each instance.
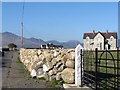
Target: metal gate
(101, 69)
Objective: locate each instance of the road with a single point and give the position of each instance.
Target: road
(14, 74)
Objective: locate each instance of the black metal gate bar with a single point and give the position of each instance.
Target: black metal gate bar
(96, 62)
(118, 70)
(81, 66)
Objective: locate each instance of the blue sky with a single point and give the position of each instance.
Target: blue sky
(60, 21)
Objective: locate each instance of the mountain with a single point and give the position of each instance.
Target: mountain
(8, 37)
(71, 44)
(54, 42)
(40, 41)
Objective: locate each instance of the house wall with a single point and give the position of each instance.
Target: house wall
(87, 42)
(101, 41)
(113, 42)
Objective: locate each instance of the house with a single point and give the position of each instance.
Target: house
(51, 46)
(100, 40)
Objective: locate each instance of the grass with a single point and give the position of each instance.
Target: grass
(23, 68)
(52, 84)
(55, 83)
(109, 61)
(18, 60)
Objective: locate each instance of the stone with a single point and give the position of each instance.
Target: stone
(64, 51)
(61, 68)
(40, 73)
(64, 58)
(38, 65)
(46, 76)
(35, 64)
(47, 66)
(47, 51)
(56, 53)
(48, 57)
(72, 54)
(45, 69)
(58, 58)
(52, 72)
(58, 64)
(70, 64)
(26, 62)
(68, 75)
(33, 51)
(71, 50)
(33, 73)
(36, 58)
(42, 57)
(54, 61)
(58, 76)
(52, 78)
(39, 52)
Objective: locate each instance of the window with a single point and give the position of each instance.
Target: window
(98, 45)
(106, 46)
(99, 40)
(111, 38)
(92, 46)
(87, 39)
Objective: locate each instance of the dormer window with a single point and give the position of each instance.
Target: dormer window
(87, 38)
(111, 38)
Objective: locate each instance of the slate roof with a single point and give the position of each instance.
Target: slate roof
(106, 35)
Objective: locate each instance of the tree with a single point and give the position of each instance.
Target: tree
(12, 46)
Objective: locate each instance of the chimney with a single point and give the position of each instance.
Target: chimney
(93, 31)
(107, 31)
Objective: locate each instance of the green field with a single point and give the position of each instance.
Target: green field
(108, 65)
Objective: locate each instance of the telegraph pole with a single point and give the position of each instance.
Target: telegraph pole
(22, 35)
(22, 25)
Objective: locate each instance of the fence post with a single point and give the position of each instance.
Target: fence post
(78, 63)
(81, 54)
(118, 68)
(96, 62)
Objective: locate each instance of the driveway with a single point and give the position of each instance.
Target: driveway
(14, 74)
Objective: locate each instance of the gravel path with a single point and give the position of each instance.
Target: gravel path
(14, 74)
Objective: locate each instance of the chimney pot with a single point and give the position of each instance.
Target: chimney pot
(107, 31)
(93, 31)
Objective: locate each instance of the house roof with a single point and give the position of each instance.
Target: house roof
(107, 35)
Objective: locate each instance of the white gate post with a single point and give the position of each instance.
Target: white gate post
(78, 63)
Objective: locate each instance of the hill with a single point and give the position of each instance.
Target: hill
(8, 37)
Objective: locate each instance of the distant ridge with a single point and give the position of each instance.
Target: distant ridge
(8, 37)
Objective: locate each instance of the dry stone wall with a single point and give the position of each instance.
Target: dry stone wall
(50, 64)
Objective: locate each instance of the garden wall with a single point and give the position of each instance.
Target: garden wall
(56, 64)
